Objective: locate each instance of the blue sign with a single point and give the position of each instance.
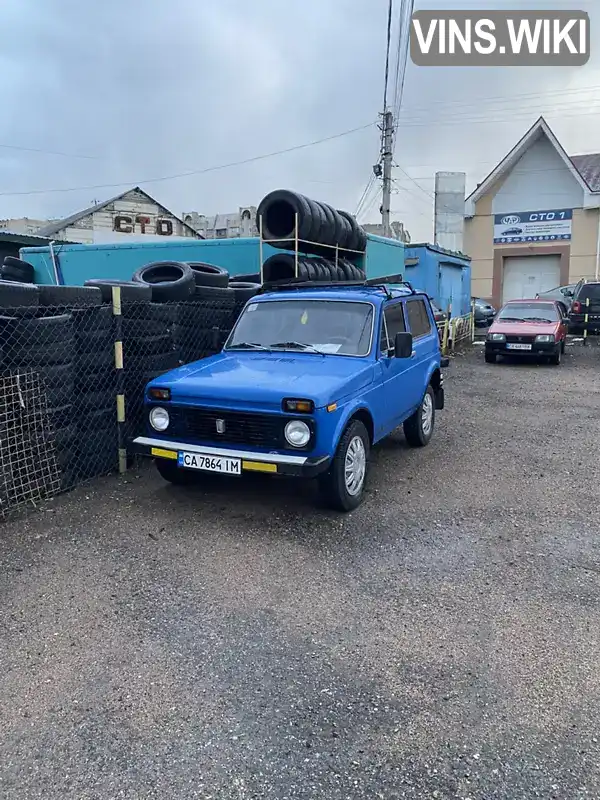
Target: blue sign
(533, 226)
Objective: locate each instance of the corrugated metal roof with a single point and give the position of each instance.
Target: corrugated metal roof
(61, 224)
(588, 166)
(32, 239)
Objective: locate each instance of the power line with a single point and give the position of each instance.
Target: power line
(44, 152)
(195, 171)
(387, 54)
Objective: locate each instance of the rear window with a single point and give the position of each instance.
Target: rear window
(591, 290)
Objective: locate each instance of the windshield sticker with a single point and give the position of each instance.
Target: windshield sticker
(304, 318)
(328, 348)
(253, 307)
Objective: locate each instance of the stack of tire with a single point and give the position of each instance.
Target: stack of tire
(50, 333)
(16, 270)
(88, 442)
(147, 335)
(208, 306)
(282, 267)
(322, 231)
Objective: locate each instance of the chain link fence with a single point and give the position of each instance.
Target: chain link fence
(73, 378)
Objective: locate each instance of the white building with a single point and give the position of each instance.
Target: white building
(133, 215)
(24, 225)
(240, 223)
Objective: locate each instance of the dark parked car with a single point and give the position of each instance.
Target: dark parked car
(586, 300)
(512, 232)
(564, 294)
(528, 328)
(484, 312)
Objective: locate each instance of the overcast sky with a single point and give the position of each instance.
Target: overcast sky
(146, 90)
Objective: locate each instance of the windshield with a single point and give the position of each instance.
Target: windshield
(323, 326)
(529, 312)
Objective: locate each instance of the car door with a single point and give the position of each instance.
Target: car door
(399, 398)
(425, 345)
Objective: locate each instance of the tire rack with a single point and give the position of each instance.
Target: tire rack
(296, 242)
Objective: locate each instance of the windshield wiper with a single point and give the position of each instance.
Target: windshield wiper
(536, 319)
(247, 346)
(297, 346)
(510, 319)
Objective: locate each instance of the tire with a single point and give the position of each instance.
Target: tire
(130, 292)
(563, 345)
(21, 333)
(155, 312)
(93, 362)
(97, 400)
(556, 357)
(157, 344)
(243, 291)
(169, 471)
(192, 338)
(278, 211)
(96, 318)
(104, 376)
(18, 269)
(491, 358)
(335, 489)
(59, 380)
(95, 341)
(279, 267)
(418, 429)
(169, 280)
(161, 362)
(350, 242)
(252, 277)
(209, 274)
(18, 295)
(134, 328)
(72, 296)
(60, 351)
(212, 294)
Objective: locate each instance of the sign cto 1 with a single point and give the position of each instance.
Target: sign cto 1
(123, 223)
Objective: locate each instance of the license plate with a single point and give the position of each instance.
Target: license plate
(518, 347)
(208, 463)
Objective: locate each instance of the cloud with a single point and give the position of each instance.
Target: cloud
(156, 89)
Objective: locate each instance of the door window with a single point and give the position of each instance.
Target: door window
(418, 318)
(392, 323)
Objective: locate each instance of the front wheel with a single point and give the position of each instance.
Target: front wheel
(556, 356)
(418, 428)
(490, 358)
(342, 486)
(173, 474)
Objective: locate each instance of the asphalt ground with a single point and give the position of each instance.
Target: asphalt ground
(238, 641)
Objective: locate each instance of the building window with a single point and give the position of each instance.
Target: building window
(221, 233)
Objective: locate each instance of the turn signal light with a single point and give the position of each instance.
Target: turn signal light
(298, 406)
(159, 394)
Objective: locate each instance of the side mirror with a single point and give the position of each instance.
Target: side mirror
(403, 345)
(568, 293)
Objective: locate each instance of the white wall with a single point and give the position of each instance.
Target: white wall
(540, 180)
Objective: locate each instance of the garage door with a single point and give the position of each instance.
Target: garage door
(526, 276)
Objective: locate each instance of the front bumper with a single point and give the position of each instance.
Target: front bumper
(252, 461)
(537, 349)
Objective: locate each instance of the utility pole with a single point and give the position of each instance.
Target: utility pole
(387, 153)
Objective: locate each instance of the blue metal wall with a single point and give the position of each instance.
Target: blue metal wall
(444, 275)
(80, 262)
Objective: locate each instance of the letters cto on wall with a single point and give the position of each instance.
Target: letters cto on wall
(123, 223)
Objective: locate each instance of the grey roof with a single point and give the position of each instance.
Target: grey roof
(61, 224)
(588, 166)
(27, 239)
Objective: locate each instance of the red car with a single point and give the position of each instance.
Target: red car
(528, 328)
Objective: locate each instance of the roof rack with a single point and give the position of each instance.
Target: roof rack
(381, 282)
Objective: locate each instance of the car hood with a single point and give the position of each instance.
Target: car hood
(523, 328)
(264, 379)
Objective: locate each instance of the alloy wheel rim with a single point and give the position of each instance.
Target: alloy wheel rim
(427, 415)
(355, 465)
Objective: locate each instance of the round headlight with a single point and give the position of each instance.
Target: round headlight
(159, 418)
(297, 433)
